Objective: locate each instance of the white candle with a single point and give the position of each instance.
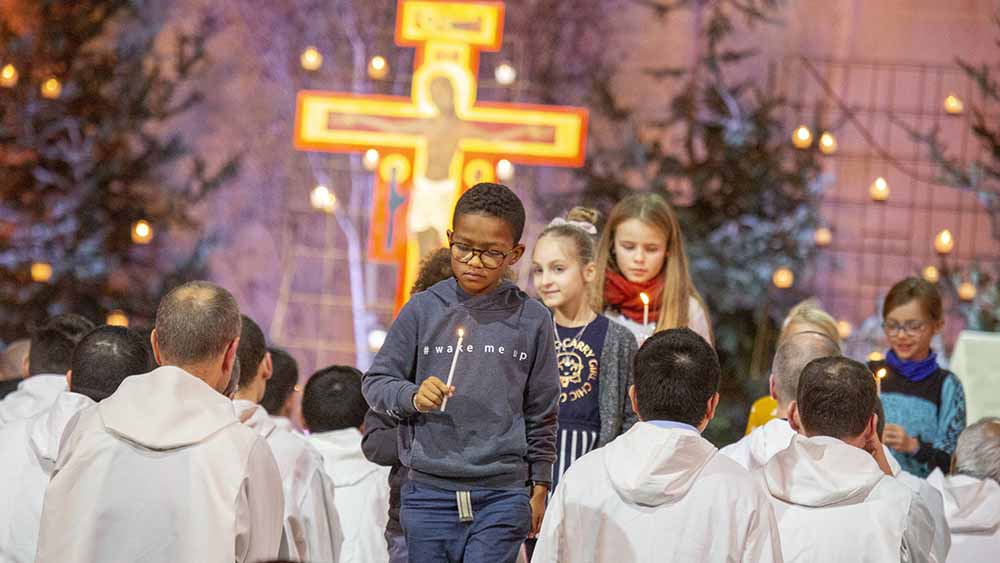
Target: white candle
(454, 362)
(645, 309)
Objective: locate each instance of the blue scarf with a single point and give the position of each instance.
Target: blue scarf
(913, 371)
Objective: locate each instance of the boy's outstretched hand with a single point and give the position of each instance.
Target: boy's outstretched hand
(539, 493)
(431, 394)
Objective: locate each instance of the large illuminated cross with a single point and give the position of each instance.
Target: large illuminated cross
(439, 141)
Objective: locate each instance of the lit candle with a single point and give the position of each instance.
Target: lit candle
(454, 362)
(879, 190)
(944, 242)
(645, 309)
(953, 105)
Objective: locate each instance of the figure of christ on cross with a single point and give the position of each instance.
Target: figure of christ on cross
(435, 190)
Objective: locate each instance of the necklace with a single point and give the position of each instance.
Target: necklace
(555, 329)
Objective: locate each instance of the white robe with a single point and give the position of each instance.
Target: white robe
(312, 525)
(33, 395)
(28, 450)
(934, 502)
(759, 446)
(834, 504)
(972, 507)
(162, 471)
(658, 494)
(362, 495)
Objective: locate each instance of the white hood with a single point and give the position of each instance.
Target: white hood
(758, 447)
(652, 466)
(254, 416)
(166, 409)
(971, 505)
(284, 423)
(33, 395)
(821, 471)
(46, 430)
(342, 456)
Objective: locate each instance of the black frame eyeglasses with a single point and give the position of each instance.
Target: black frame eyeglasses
(490, 259)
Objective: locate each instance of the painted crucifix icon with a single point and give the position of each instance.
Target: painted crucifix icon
(439, 141)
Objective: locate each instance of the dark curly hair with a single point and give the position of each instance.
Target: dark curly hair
(493, 200)
(435, 267)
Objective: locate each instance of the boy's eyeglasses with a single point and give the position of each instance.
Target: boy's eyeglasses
(909, 328)
(490, 259)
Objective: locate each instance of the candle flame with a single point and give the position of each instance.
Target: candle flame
(881, 373)
(461, 332)
(644, 298)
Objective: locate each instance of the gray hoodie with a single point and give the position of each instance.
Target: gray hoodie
(499, 429)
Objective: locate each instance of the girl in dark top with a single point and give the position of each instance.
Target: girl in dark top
(924, 403)
(594, 355)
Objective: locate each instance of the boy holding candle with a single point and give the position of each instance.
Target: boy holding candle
(472, 466)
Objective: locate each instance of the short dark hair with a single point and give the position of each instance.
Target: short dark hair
(676, 373)
(53, 341)
(793, 354)
(105, 357)
(911, 289)
(493, 200)
(251, 350)
(195, 322)
(333, 400)
(837, 397)
(282, 382)
(435, 267)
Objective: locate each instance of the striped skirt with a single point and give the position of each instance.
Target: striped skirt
(572, 442)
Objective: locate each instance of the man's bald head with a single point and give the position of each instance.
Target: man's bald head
(793, 355)
(14, 359)
(195, 322)
(978, 451)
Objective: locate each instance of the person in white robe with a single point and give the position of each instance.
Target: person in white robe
(660, 492)
(49, 356)
(972, 493)
(759, 446)
(832, 488)
(162, 470)
(312, 526)
(334, 411)
(29, 447)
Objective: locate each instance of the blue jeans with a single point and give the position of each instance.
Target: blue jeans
(499, 524)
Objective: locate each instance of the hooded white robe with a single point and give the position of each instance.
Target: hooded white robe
(972, 507)
(33, 395)
(834, 503)
(312, 525)
(934, 502)
(658, 494)
(755, 449)
(28, 450)
(759, 446)
(162, 471)
(362, 495)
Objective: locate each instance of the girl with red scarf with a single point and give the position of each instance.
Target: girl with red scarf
(642, 252)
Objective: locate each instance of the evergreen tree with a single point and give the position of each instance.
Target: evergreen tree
(747, 200)
(89, 89)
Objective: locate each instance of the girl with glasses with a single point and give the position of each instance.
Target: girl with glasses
(924, 403)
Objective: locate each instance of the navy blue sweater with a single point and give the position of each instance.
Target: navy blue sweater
(499, 430)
